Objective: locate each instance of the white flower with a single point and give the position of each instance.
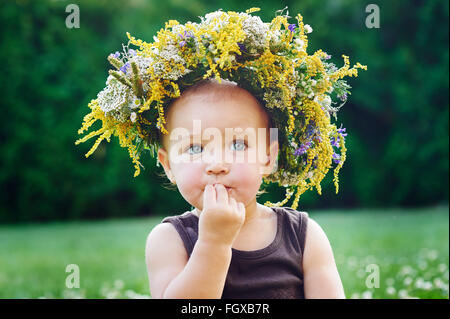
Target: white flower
(256, 32)
(308, 28)
(432, 254)
(134, 295)
(212, 15)
(299, 44)
(171, 54)
(178, 28)
(390, 290)
(133, 117)
(367, 294)
(406, 270)
(427, 285)
(275, 38)
(407, 281)
(403, 294)
(324, 101)
(143, 63)
(114, 97)
(118, 284)
(439, 283)
(419, 283)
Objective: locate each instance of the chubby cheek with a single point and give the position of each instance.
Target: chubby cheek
(189, 181)
(246, 181)
(244, 178)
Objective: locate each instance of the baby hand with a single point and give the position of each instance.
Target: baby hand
(222, 217)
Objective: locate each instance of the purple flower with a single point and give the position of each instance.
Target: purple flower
(327, 57)
(132, 52)
(336, 158)
(125, 67)
(302, 149)
(292, 27)
(188, 34)
(343, 97)
(115, 55)
(341, 131)
(335, 141)
(313, 164)
(310, 130)
(341, 135)
(184, 37)
(242, 47)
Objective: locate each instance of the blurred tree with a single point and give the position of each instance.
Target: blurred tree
(396, 119)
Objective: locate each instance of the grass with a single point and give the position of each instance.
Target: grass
(409, 248)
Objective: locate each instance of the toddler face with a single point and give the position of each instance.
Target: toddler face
(216, 138)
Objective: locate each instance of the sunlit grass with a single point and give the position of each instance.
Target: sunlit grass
(409, 247)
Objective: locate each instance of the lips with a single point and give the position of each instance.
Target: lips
(226, 187)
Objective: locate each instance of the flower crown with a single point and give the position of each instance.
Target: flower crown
(266, 59)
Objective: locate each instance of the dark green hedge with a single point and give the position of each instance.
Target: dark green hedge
(396, 118)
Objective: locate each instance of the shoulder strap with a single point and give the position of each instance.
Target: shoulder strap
(302, 229)
(299, 221)
(187, 227)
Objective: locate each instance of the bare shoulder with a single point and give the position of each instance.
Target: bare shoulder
(165, 257)
(164, 235)
(317, 246)
(161, 233)
(321, 276)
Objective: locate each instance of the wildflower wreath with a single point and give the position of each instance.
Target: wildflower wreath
(266, 59)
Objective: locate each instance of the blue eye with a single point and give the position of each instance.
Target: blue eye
(196, 147)
(242, 143)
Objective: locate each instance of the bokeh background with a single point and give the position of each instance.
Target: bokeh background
(59, 208)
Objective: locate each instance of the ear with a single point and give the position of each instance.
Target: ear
(163, 158)
(272, 160)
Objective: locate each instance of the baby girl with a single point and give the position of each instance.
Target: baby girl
(219, 147)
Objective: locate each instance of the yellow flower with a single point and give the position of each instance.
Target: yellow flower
(294, 80)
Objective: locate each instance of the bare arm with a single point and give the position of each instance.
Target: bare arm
(321, 277)
(172, 275)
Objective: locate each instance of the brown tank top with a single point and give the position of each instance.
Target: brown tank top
(273, 272)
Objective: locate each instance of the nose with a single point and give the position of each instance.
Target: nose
(215, 163)
(217, 168)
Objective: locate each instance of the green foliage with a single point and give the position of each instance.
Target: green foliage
(396, 117)
(110, 255)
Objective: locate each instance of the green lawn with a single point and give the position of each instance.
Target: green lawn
(408, 247)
